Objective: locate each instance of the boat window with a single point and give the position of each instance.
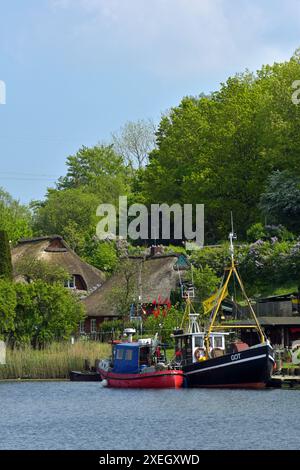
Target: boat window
(198, 341)
(218, 343)
(119, 354)
(128, 355)
(144, 355)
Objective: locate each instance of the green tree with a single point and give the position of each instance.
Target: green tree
(280, 201)
(45, 313)
(70, 213)
(206, 282)
(103, 255)
(7, 307)
(126, 290)
(98, 169)
(6, 270)
(94, 176)
(15, 218)
(219, 150)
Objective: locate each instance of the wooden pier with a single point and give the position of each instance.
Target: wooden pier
(284, 381)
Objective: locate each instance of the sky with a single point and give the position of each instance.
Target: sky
(76, 70)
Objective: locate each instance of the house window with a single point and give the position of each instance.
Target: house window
(93, 325)
(81, 327)
(70, 283)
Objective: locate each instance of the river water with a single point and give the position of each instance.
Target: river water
(68, 415)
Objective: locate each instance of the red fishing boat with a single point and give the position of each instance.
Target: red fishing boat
(139, 365)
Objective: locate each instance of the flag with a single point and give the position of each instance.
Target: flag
(209, 303)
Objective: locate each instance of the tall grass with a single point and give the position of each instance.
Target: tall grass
(53, 362)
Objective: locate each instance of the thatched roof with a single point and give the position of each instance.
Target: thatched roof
(154, 278)
(54, 250)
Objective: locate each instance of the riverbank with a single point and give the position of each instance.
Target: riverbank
(54, 362)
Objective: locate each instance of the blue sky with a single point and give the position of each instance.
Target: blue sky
(77, 70)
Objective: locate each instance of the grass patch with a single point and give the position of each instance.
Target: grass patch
(53, 362)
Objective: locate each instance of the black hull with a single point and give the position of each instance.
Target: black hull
(76, 376)
(251, 368)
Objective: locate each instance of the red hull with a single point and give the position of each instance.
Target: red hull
(159, 379)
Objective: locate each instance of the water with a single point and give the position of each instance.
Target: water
(68, 415)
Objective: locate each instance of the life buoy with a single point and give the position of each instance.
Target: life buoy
(199, 354)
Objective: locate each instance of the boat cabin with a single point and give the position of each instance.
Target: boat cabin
(190, 348)
(132, 358)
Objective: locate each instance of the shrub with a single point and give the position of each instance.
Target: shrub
(214, 257)
(256, 232)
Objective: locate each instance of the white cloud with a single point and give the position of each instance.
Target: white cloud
(177, 38)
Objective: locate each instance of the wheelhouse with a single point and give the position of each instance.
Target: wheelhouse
(190, 347)
(133, 357)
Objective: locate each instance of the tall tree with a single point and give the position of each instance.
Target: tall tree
(97, 169)
(7, 307)
(219, 150)
(280, 201)
(94, 176)
(45, 313)
(135, 141)
(15, 218)
(6, 271)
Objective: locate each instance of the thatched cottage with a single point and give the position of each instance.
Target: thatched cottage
(55, 251)
(153, 279)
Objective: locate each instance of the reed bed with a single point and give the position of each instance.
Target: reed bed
(53, 362)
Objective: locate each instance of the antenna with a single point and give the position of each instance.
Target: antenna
(232, 236)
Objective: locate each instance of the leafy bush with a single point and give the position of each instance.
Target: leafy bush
(214, 257)
(256, 232)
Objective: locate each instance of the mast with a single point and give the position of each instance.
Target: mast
(232, 236)
(232, 272)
